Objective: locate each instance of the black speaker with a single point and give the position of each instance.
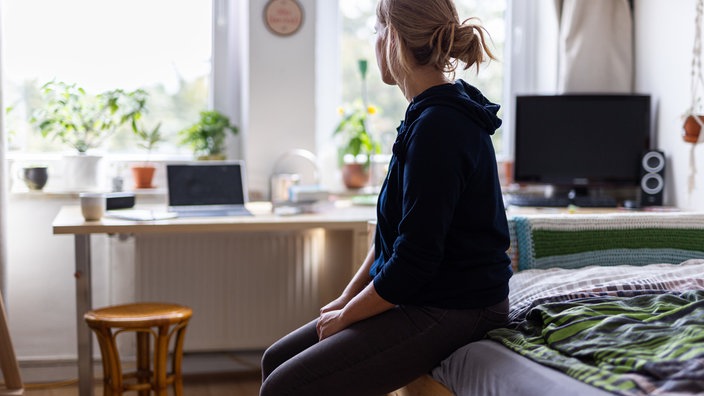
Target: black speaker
(652, 178)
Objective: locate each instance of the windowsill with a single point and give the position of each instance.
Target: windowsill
(57, 193)
(121, 157)
(111, 166)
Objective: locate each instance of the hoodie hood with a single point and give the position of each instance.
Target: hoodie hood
(461, 96)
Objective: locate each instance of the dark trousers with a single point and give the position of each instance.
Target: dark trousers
(375, 356)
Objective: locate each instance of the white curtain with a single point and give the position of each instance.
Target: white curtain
(3, 195)
(595, 46)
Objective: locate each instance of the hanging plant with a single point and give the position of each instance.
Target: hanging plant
(692, 127)
(694, 116)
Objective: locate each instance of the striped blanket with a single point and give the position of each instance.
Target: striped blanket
(627, 332)
(627, 346)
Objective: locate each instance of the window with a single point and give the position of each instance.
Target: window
(359, 17)
(161, 46)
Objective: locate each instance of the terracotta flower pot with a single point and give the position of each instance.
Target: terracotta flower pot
(355, 175)
(692, 128)
(143, 176)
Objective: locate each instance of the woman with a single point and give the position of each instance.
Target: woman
(437, 275)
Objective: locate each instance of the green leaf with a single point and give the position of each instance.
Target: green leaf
(82, 120)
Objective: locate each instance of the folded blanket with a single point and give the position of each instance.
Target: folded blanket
(637, 345)
(579, 240)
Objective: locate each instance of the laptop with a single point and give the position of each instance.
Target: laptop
(207, 188)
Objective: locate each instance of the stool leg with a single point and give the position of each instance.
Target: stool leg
(178, 358)
(112, 371)
(161, 349)
(143, 369)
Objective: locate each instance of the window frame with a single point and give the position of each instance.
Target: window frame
(224, 95)
(505, 62)
(224, 89)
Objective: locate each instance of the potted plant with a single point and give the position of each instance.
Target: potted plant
(692, 127)
(207, 136)
(356, 144)
(143, 174)
(83, 122)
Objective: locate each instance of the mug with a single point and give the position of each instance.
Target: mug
(93, 205)
(35, 177)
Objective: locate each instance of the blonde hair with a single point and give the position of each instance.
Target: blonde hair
(431, 32)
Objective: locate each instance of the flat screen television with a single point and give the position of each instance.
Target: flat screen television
(581, 141)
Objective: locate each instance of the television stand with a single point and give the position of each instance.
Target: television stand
(577, 192)
(574, 197)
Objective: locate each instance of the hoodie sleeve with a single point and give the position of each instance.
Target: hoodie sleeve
(439, 157)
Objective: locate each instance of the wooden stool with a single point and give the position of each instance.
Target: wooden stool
(145, 319)
(8, 361)
(424, 385)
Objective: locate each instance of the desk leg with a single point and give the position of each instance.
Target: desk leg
(84, 303)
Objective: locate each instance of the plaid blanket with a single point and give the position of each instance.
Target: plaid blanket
(633, 342)
(530, 288)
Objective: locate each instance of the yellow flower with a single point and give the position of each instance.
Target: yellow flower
(341, 110)
(371, 109)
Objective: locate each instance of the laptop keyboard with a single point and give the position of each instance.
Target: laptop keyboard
(204, 212)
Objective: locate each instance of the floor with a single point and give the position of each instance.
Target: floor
(205, 374)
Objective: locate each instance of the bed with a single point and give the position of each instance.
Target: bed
(600, 305)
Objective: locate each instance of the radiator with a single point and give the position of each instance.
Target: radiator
(246, 289)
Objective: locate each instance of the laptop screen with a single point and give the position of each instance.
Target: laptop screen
(219, 183)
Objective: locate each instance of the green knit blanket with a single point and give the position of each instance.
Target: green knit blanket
(624, 345)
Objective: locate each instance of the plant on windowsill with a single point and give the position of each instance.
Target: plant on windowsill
(356, 144)
(207, 136)
(143, 174)
(83, 122)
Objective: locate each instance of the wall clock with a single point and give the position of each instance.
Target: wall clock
(283, 17)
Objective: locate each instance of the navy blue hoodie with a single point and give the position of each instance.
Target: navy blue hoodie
(442, 234)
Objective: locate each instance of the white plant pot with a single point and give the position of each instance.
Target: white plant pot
(81, 172)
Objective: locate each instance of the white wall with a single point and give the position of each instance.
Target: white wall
(280, 93)
(41, 286)
(290, 94)
(664, 39)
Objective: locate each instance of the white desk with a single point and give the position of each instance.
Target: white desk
(346, 227)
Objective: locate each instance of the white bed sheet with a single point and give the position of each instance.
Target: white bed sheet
(487, 368)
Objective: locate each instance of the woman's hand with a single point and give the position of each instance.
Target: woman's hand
(330, 323)
(364, 305)
(335, 304)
